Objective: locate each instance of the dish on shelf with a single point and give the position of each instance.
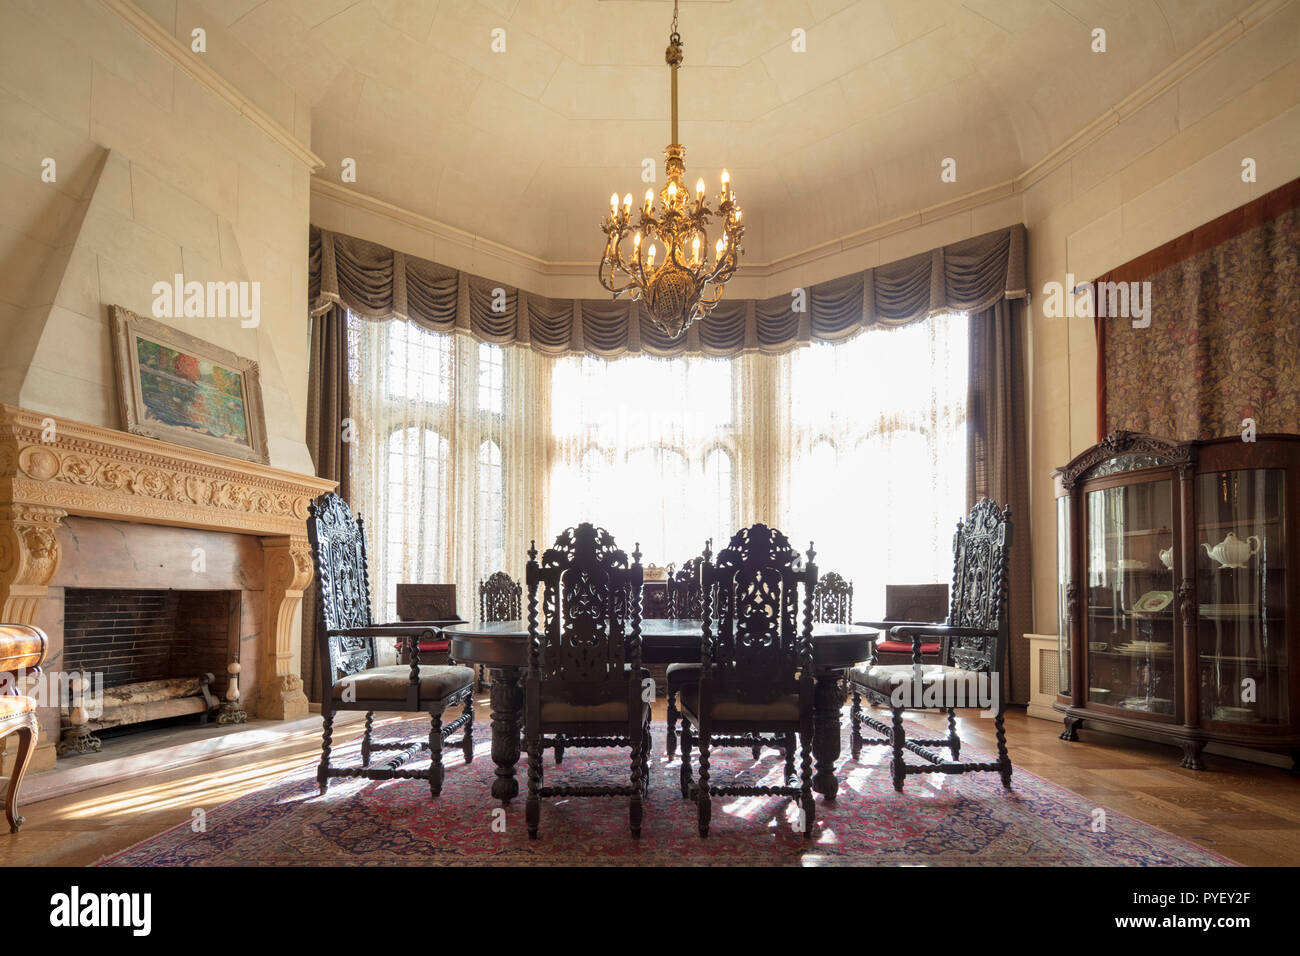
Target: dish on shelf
(1145, 649)
(1153, 602)
(1099, 691)
(1097, 645)
(1131, 564)
(1232, 658)
(1218, 612)
(1239, 715)
(1150, 705)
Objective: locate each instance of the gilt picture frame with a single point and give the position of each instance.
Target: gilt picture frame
(176, 387)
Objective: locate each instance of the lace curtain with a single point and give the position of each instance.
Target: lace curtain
(447, 463)
(873, 454)
(461, 452)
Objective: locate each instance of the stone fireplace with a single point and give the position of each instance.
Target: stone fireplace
(90, 509)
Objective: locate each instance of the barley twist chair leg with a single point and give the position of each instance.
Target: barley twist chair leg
(855, 726)
(435, 754)
(703, 804)
(365, 739)
(896, 764)
(467, 744)
(327, 736)
(954, 742)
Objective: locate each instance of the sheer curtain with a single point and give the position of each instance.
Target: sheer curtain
(873, 457)
(649, 448)
(461, 452)
(446, 461)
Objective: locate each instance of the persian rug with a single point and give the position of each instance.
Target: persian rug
(939, 820)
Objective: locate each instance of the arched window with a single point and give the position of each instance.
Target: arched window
(415, 510)
(490, 545)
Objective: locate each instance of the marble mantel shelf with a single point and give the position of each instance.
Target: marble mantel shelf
(52, 467)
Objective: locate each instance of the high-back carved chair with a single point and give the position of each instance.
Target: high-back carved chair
(500, 598)
(832, 600)
(972, 645)
(685, 602)
(584, 679)
(756, 673)
(22, 649)
(351, 676)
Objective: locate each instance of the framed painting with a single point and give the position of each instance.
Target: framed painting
(179, 388)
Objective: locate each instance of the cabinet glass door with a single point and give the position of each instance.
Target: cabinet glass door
(1129, 606)
(1241, 595)
(1062, 584)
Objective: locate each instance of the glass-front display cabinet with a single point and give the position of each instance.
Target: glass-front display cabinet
(1178, 614)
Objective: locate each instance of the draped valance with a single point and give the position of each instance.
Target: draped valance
(378, 282)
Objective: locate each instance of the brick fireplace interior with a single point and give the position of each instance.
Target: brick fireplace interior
(132, 635)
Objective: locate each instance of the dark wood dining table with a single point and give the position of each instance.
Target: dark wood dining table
(502, 647)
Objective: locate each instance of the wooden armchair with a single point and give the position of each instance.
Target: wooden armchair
(584, 678)
(22, 649)
(428, 604)
(756, 677)
(972, 644)
(353, 680)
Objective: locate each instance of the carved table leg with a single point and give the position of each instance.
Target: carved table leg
(507, 699)
(826, 733)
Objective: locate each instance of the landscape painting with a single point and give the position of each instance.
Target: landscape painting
(182, 389)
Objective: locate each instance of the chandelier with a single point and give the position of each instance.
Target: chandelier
(686, 284)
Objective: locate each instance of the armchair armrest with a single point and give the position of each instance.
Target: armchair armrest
(407, 634)
(941, 630)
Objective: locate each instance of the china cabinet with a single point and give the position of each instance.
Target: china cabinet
(1179, 592)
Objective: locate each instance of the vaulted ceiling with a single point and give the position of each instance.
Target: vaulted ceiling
(525, 146)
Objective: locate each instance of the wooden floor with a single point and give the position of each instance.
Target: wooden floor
(1244, 811)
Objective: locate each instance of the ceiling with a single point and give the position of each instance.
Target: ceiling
(524, 147)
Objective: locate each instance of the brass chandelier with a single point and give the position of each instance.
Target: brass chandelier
(687, 283)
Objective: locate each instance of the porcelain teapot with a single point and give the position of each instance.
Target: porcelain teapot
(1232, 552)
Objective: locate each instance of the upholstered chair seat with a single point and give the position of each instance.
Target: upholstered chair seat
(885, 677)
(13, 707)
(437, 681)
(731, 707)
(602, 712)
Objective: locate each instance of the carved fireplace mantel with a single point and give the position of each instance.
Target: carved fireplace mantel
(52, 467)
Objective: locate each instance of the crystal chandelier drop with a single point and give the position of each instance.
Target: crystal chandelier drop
(686, 284)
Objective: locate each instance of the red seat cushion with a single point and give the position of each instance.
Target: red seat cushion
(904, 647)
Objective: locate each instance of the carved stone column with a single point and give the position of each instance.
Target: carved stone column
(29, 556)
(288, 571)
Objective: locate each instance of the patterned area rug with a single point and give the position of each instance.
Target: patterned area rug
(939, 820)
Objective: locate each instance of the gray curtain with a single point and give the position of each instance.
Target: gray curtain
(377, 282)
(327, 407)
(997, 454)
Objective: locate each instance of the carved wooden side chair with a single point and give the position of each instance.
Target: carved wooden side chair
(353, 680)
(972, 646)
(756, 675)
(685, 602)
(22, 649)
(500, 598)
(832, 600)
(584, 677)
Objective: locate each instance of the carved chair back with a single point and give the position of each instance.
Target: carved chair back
(500, 598)
(981, 550)
(833, 600)
(338, 544)
(590, 616)
(758, 649)
(685, 599)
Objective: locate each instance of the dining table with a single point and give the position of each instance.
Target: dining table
(502, 648)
